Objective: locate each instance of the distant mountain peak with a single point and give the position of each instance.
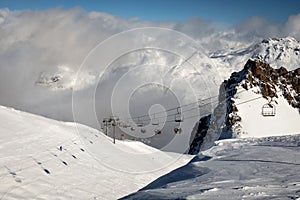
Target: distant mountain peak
(278, 52)
(276, 40)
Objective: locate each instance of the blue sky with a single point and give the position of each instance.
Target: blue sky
(225, 11)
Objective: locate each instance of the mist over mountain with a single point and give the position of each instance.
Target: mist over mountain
(41, 51)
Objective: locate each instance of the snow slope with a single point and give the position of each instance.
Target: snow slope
(32, 167)
(254, 124)
(264, 168)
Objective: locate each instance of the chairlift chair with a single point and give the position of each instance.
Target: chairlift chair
(268, 109)
(143, 130)
(155, 121)
(157, 131)
(116, 118)
(102, 126)
(178, 116)
(123, 124)
(140, 123)
(177, 129)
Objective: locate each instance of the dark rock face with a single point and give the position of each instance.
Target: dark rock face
(203, 126)
(267, 78)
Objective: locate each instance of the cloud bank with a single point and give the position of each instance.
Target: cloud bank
(41, 51)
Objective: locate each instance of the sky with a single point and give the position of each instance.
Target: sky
(224, 11)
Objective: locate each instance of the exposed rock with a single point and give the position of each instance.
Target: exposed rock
(198, 139)
(263, 75)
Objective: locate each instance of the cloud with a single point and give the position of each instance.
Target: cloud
(41, 52)
(38, 42)
(292, 27)
(260, 27)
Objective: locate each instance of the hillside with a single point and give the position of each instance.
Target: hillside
(33, 167)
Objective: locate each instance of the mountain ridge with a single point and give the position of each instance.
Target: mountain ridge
(243, 99)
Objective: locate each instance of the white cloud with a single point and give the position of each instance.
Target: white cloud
(35, 43)
(292, 27)
(260, 27)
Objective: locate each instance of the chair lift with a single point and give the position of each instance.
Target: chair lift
(143, 130)
(157, 131)
(178, 116)
(155, 121)
(177, 129)
(125, 125)
(268, 109)
(139, 123)
(115, 118)
(120, 124)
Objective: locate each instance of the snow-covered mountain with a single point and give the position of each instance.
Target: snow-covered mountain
(257, 101)
(33, 167)
(260, 96)
(270, 76)
(278, 52)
